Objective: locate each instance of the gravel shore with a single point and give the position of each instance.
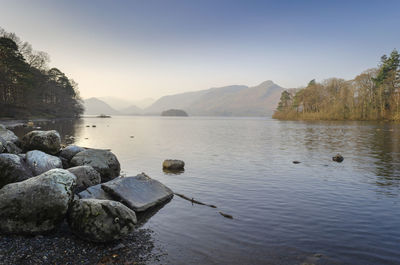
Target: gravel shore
(62, 247)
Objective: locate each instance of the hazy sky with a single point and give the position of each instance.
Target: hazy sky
(139, 49)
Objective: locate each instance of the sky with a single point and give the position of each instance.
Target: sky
(147, 49)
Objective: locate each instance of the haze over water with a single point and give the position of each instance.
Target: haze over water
(317, 212)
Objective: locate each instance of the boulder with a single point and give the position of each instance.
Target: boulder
(86, 176)
(100, 220)
(13, 169)
(69, 151)
(46, 141)
(94, 192)
(12, 148)
(338, 158)
(138, 193)
(41, 162)
(8, 135)
(2, 145)
(36, 205)
(105, 162)
(173, 164)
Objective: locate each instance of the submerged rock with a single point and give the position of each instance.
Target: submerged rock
(100, 220)
(94, 192)
(41, 162)
(36, 205)
(173, 164)
(338, 158)
(13, 169)
(138, 193)
(46, 141)
(86, 176)
(69, 151)
(105, 162)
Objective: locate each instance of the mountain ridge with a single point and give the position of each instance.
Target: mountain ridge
(234, 100)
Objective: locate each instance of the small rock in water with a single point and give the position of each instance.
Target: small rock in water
(296, 162)
(173, 164)
(132, 136)
(93, 126)
(87, 125)
(338, 158)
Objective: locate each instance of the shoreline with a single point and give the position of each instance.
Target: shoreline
(61, 246)
(12, 123)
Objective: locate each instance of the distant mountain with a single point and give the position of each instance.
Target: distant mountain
(116, 103)
(234, 100)
(131, 110)
(95, 106)
(121, 104)
(144, 103)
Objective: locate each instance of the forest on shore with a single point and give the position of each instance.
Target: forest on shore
(372, 95)
(29, 88)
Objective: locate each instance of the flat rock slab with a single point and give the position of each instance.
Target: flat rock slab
(138, 193)
(94, 192)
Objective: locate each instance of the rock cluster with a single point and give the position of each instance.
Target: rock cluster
(48, 184)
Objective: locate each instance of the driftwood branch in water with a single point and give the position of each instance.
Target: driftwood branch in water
(194, 201)
(226, 215)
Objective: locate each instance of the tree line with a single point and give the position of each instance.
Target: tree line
(372, 95)
(29, 88)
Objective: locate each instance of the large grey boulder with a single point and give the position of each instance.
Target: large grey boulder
(36, 205)
(2, 145)
(100, 220)
(94, 192)
(9, 146)
(7, 135)
(105, 162)
(138, 193)
(12, 148)
(69, 151)
(41, 162)
(13, 169)
(46, 141)
(86, 176)
(173, 164)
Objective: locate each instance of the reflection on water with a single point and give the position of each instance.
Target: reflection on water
(318, 211)
(66, 128)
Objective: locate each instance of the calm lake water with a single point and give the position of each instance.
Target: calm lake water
(316, 212)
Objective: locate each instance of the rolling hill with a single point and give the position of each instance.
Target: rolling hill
(236, 100)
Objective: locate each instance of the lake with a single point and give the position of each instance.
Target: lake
(315, 212)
